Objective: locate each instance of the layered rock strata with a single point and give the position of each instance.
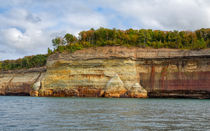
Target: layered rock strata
(117, 72)
(20, 82)
(114, 72)
(89, 78)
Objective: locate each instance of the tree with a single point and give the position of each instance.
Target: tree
(148, 37)
(141, 39)
(70, 38)
(58, 41)
(201, 44)
(49, 51)
(25, 62)
(0, 65)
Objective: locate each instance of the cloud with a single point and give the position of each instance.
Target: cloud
(24, 31)
(15, 38)
(27, 26)
(86, 20)
(165, 14)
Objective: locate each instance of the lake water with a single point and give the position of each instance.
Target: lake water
(48, 113)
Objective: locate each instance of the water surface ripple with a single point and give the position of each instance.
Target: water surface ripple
(48, 113)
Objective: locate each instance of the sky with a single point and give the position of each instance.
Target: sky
(28, 26)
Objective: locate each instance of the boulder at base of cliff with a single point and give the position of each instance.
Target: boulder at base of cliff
(137, 91)
(115, 87)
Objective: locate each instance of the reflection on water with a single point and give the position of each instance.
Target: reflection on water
(32, 113)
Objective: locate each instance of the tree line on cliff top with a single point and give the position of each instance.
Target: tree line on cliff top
(198, 39)
(145, 38)
(26, 62)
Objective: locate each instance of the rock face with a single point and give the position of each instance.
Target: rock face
(115, 87)
(176, 77)
(20, 82)
(137, 91)
(88, 78)
(117, 72)
(161, 72)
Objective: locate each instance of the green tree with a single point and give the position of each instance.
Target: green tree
(70, 38)
(201, 44)
(142, 38)
(58, 41)
(49, 51)
(0, 65)
(25, 62)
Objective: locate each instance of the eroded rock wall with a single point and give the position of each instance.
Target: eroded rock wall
(89, 78)
(115, 72)
(20, 82)
(176, 77)
(162, 72)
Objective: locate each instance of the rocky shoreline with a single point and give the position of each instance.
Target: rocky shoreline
(115, 72)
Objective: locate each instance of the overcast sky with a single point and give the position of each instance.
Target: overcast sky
(27, 26)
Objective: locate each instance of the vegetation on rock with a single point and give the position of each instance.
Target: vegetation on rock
(26, 62)
(198, 39)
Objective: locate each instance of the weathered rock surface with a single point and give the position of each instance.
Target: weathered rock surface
(162, 72)
(20, 82)
(137, 91)
(117, 72)
(115, 87)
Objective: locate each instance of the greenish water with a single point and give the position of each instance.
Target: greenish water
(34, 113)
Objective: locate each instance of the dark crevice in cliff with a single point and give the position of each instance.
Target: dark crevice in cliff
(17, 94)
(9, 82)
(38, 77)
(180, 94)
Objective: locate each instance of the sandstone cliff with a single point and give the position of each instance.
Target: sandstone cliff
(118, 72)
(20, 82)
